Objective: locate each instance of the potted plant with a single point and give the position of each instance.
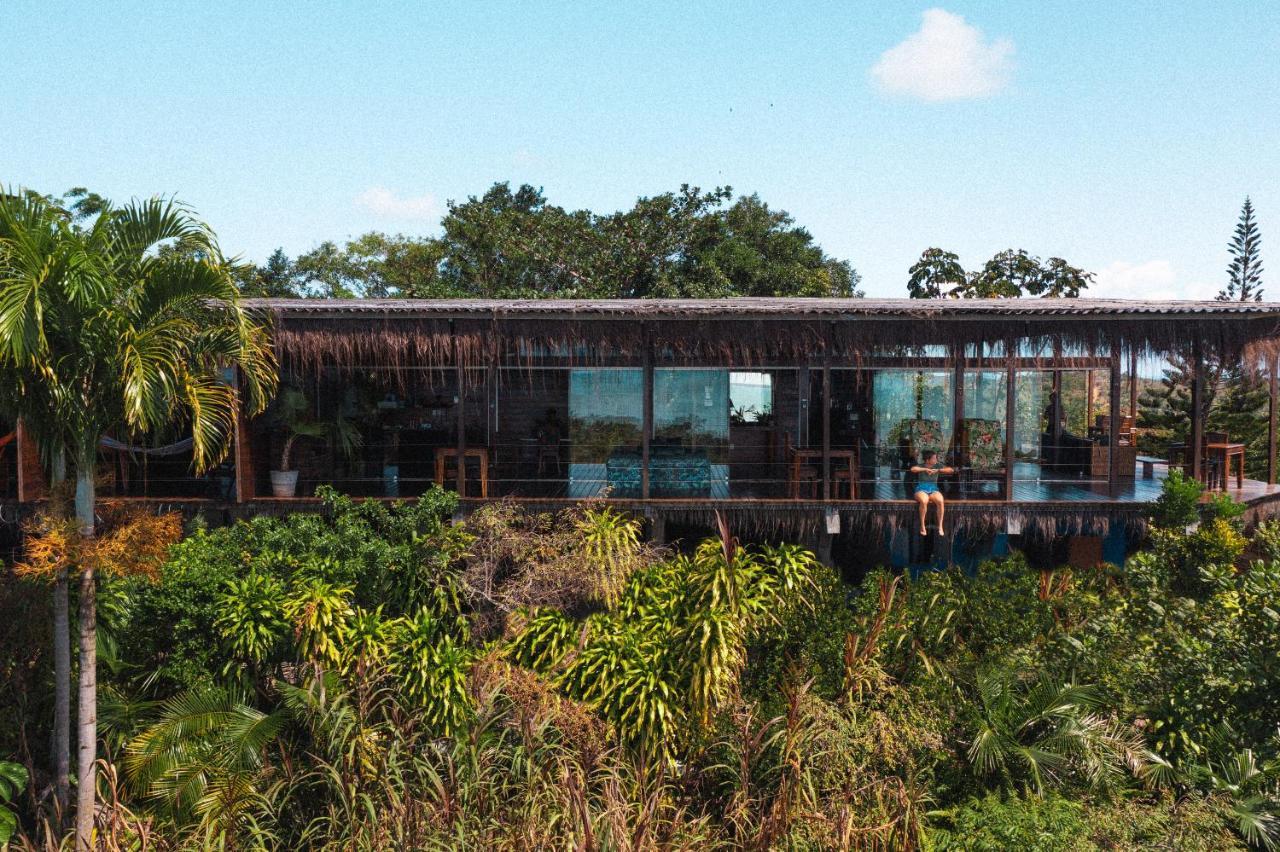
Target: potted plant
(293, 412)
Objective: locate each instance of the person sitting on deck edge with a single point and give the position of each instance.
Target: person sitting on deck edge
(927, 489)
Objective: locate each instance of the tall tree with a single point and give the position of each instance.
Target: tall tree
(1243, 396)
(936, 274)
(515, 244)
(275, 279)
(135, 339)
(32, 250)
(1011, 274)
(1244, 273)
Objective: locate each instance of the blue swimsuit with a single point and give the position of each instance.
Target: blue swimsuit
(928, 482)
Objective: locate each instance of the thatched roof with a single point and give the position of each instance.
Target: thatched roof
(419, 332)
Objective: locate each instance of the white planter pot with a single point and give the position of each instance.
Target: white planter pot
(284, 483)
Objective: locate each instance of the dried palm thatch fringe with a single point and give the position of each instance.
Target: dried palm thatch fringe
(399, 341)
(1040, 523)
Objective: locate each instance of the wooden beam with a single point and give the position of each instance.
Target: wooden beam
(1113, 453)
(1196, 438)
(1272, 417)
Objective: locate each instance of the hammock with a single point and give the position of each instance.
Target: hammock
(5, 439)
(167, 450)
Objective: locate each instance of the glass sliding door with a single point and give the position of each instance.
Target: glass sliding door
(912, 413)
(689, 454)
(606, 411)
(980, 435)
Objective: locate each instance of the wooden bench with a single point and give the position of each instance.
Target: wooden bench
(1149, 465)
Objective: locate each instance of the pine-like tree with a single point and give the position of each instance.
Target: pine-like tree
(1244, 273)
(1241, 409)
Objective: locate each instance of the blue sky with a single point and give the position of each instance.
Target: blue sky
(1122, 136)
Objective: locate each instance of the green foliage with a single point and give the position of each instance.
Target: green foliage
(1178, 505)
(1030, 731)
(358, 691)
(674, 647)
(1008, 275)
(514, 244)
(994, 822)
(13, 779)
(429, 659)
(222, 598)
(1244, 274)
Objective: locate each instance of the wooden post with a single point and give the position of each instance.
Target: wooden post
(1010, 414)
(31, 481)
(1133, 384)
(246, 487)
(957, 409)
(826, 425)
(461, 414)
(1088, 400)
(1196, 451)
(1271, 419)
(1055, 428)
(1113, 454)
(646, 415)
(802, 404)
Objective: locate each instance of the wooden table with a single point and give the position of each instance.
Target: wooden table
(1224, 452)
(1149, 466)
(443, 454)
(1227, 452)
(798, 457)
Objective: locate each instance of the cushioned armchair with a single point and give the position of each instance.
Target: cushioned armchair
(980, 449)
(916, 437)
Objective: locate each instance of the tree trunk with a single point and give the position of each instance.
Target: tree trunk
(87, 731)
(61, 673)
(62, 695)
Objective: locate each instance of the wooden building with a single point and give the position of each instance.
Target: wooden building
(786, 415)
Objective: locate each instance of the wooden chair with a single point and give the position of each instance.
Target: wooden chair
(799, 473)
(843, 483)
(1211, 469)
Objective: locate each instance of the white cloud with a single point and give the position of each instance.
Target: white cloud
(947, 59)
(384, 202)
(1152, 279)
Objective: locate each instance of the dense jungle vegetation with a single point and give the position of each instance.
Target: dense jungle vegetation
(383, 677)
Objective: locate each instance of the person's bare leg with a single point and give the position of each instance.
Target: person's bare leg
(936, 499)
(922, 501)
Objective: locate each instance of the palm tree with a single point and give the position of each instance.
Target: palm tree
(34, 248)
(140, 330)
(1037, 729)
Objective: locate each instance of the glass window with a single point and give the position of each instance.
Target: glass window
(750, 396)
